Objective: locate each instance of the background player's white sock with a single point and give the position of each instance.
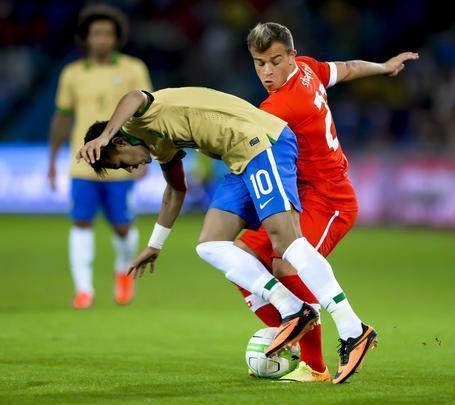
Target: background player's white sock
(82, 248)
(249, 273)
(317, 274)
(125, 249)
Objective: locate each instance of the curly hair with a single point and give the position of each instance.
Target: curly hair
(98, 12)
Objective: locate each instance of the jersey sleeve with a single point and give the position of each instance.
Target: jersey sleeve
(164, 151)
(326, 71)
(64, 99)
(142, 77)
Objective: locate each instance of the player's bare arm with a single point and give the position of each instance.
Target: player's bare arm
(356, 69)
(60, 127)
(126, 108)
(173, 197)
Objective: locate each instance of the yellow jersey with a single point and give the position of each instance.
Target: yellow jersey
(216, 123)
(90, 92)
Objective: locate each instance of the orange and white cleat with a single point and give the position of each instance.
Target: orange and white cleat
(352, 353)
(124, 289)
(82, 300)
(292, 329)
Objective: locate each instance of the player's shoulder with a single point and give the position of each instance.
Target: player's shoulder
(75, 66)
(130, 61)
(73, 70)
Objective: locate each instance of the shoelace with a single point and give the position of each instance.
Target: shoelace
(342, 351)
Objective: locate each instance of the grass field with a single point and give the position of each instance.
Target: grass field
(183, 339)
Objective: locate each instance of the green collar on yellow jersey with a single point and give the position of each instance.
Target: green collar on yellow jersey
(142, 111)
(115, 59)
(131, 138)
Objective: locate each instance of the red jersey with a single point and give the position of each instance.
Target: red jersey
(302, 103)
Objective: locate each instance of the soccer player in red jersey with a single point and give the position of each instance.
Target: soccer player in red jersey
(297, 94)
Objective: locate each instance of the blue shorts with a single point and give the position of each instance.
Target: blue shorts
(266, 187)
(114, 197)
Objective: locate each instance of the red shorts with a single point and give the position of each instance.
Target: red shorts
(322, 227)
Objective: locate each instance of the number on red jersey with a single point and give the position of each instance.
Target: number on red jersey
(320, 100)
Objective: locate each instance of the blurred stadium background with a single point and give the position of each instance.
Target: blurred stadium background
(183, 338)
(399, 134)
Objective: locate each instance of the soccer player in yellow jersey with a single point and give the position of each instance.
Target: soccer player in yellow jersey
(261, 152)
(89, 90)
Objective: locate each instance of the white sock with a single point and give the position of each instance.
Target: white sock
(125, 249)
(317, 274)
(249, 273)
(82, 249)
(347, 322)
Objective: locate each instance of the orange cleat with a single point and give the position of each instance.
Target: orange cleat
(352, 353)
(292, 329)
(124, 289)
(82, 300)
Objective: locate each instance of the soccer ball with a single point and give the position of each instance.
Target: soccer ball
(275, 366)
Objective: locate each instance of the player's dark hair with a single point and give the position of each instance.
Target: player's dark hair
(94, 132)
(263, 35)
(97, 12)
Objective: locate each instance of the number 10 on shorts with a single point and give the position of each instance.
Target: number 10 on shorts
(262, 184)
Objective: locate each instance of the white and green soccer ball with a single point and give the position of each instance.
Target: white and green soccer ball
(275, 366)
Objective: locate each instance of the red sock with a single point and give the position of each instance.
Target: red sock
(267, 314)
(311, 342)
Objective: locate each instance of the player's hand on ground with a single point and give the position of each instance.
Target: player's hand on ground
(396, 64)
(52, 176)
(91, 151)
(147, 256)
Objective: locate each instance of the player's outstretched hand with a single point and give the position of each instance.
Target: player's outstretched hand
(148, 255)
(396, 64)
(91, 151)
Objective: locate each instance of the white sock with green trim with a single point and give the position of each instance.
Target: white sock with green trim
(347, 322)
(249, 273)
(281, 298)
(317, 274)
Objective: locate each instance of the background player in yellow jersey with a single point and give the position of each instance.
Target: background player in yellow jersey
(89, 90)
(261, 152)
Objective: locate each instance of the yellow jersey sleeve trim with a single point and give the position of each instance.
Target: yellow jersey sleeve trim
(131, 138)
(66, 111)
(141, 112)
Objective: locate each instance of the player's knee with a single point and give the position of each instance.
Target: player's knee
(206, 251)
(82, 224)
(122, 230)
(282, 268)
(277, 244)
(246, 248)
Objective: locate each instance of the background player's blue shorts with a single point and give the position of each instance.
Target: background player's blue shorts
(266, 187)
(114, 197)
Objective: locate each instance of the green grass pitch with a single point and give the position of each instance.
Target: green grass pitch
(183, 338)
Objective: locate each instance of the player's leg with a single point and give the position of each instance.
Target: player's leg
(273, 207)
(312, 267)
(116, 198)
(323, 228)
(257, 244)
(231, 210)
(85, 202)
(312, 367)
(356, 337)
